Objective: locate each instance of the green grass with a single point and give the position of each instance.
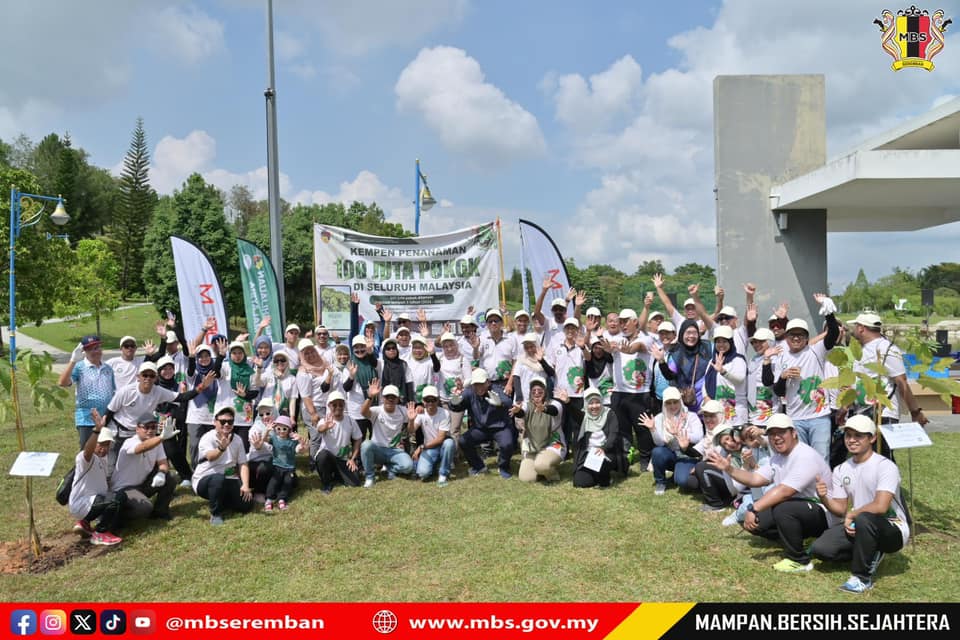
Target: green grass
(477, 539)
(137, 322)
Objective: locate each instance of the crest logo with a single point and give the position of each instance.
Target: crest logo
(913, 36)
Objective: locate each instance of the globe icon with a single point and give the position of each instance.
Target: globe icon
(385, 621)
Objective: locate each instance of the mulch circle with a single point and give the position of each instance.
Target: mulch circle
(17, 557)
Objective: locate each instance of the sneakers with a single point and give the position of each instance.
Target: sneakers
(282, 505)
(506, 475)
(442, 481)
(789, 566)
(268, 506)
(659, 489)
(368, 483)
(83, 528)
(709, 508)
(391, 475)
(216, 521)
(477, 472)
(730, 520)
(186, 484)
(106, 539)
(855, 585)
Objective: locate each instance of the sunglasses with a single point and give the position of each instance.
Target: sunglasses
(225, 422)
(430, 400)
(280, 361)
(281, 428)
(148, 374)
(128, 346)
(323, 335)
(264, 414)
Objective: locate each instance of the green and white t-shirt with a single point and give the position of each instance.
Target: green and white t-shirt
(388, 427)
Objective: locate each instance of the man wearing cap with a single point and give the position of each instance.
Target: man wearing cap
(131, 402)
(404, 342)
(489, 421)
(90, 495)
(496, 352)
(127, 365)
(521, 326)
(654, 320)
(389, 422)
(95, 384)
(468, 338)
(223, 475)
(631, 383)
(553, 326)
(791, 510)
(762, 402)
(142, 470)
(336, 440)
(865, 492)
(438, 446)
(866, 329)
(797, 375)
(568, 358)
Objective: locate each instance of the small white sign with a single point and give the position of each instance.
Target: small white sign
(905, 435)
(594, 461)
(34, 463)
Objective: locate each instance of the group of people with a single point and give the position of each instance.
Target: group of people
(675, 393)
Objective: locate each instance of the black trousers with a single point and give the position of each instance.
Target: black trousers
(282, 483)
(223, 494)
(709, 481)
(109, 509)
(260, 473)
(792, 522)
(628, 407)
(875, 535)
(584, 478)
(332, 469)
(176, 451)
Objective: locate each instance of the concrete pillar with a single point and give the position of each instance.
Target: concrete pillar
(769, 129)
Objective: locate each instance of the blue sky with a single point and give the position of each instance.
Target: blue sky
(591, 119)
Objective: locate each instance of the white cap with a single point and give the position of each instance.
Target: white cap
(292, 327)
(205, 347)
(494, 312)
(780, 421)
(164, 361)
(468, 319)
(520, 314)
(862, 424)
(728, 311)
(430, 391)
(305, 343)
(147, 366)
(171, 337)
(266, 402)
(403, 316)
(773, 318)
(763, 334)
(358, 340)
(593, 311)
(628, 314)
(390, 390)
(420, 339)
(721, 430)
(591, 391)
(334, 396)
(127, 339)
(722, 331)
(403, 330)
(558, 302)
(478, 376)
(688, 302)
(447, 336)
(105, 436)
(571, 322)
(530, 337)
(393, 341)
(712, 406)
(870, 320)
(237, 345)
(666, 325)
(671, 393)
(655, 314)
(538, 380)
(797, 323)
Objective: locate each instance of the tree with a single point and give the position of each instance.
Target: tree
(6, 153)
(134, 211)
(195, 212)
(92, 287)
(42, 265)
(242, 208)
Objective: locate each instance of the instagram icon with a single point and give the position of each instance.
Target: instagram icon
(53, 622)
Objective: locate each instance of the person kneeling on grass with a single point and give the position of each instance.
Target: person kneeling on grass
(542, 443)
(223, 477)
(90, 496)
(791, 510)
(674, 433)
(384, 447)
(599, 449)
(877, 523)
(336, 440)
(143, 472)
(438, 446)
(284, 478)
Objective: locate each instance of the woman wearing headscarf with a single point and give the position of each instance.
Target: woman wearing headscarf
(542, 445)
(362, 369)
(600, 437)
(277, 383)
(686, 364)
(238, 390)
(726, 379)
(200, 410)
(392, 369)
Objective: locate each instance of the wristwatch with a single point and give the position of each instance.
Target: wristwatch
(751, 508)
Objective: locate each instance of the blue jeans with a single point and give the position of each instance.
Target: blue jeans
(816, 433)
(428, 459)
(372, 455)
(664, 459)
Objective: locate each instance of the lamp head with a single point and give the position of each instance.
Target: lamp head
(426, 199)
(59, 216)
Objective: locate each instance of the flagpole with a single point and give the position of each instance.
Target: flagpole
(523, 275)
(503, 285)
(313, 270)
(416, 201)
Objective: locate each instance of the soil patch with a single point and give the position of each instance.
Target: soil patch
(17, 557)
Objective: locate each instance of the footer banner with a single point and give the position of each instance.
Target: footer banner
(426, 621)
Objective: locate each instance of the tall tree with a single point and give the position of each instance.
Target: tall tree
(92, 287)
(6, 153)
(242, 208)
(134, 211)
(195, 212)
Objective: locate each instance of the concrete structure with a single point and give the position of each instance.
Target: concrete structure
(777, 196)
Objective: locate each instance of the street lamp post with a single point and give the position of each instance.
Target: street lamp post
(19, 220)
(423, 199)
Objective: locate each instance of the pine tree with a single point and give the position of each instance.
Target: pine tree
(134, 213)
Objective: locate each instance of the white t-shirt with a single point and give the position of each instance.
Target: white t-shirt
(243, 409)
(433, 425)
(731, 393)
(233, 455)
(551, 330)
(450, 370)
(265, 452)
(805, 398)
(339, 439)
(128, 404)
(761, 400)
(631, 371)
(860, 483)
(421, 373)
(498, 356)
(283, 394)
(799, 470)
(89, 481)
(133, 468)
(125, 371)
(387, 427)
(881, 350)
(568, 364)
(310, 386)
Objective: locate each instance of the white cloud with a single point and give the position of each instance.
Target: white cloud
(472, 117)
(174, 159)
(592, 106)
(186, 33)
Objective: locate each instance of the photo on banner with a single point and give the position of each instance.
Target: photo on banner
(333, 307)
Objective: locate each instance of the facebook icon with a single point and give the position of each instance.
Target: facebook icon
(23, 622)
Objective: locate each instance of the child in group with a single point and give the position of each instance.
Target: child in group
(260, 458)
(284, 479)
(755, 453)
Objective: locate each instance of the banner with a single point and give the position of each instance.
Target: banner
(442, 274)
(200, 290)
(540, 255)
(261, 294)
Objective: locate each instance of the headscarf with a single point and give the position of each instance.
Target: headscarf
(268, 361)
(210, 393)
(377, 338)
(710, 382)
(394, 372)
(692, 362)
(593, 424)
(240, 373)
